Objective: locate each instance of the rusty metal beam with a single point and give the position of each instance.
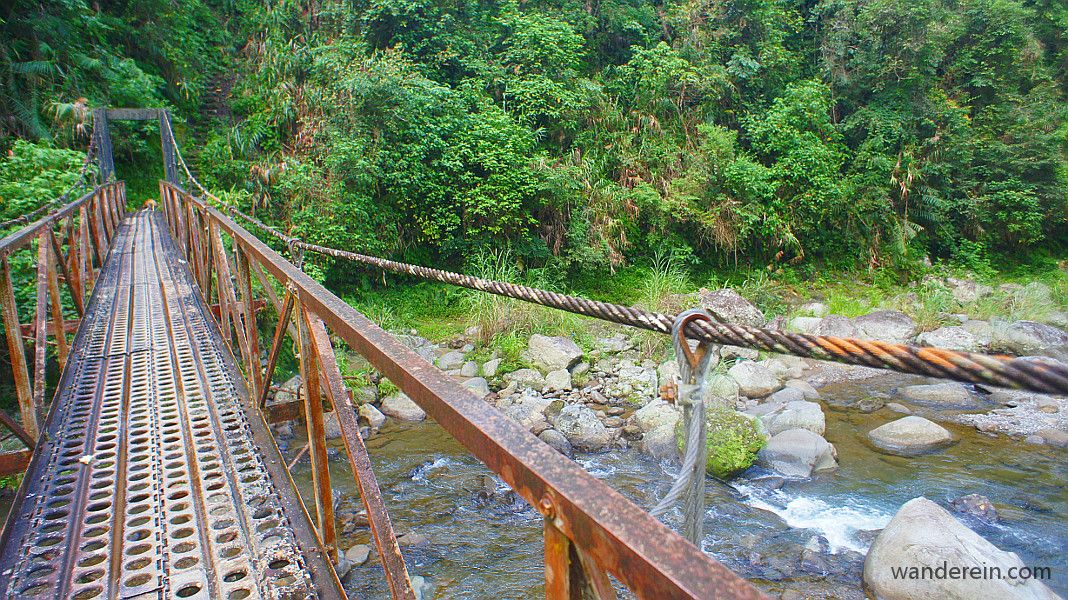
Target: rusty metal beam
(377, 516)
(17, 352)
(623, 539)
(14, 462)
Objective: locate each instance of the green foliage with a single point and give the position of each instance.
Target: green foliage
(34, 174)
(733, 440)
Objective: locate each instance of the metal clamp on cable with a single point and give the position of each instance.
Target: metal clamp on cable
(689, 485)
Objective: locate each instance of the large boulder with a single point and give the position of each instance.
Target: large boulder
(730, 306)
(797, 453)
(401, 407)
(1028, 338)
(721, 386)
(926, 553)
(941, 395)
(754, 380)
(657, 413)
(950, 338)
(886, 326)
(733, 441)
(836, 326)
(910, 435)
(552, 353)
(581, 427)
(371, 416)
(798, 414)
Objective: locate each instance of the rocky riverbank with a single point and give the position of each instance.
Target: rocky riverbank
(606, 396)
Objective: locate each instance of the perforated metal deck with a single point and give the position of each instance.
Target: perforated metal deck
(155, 478)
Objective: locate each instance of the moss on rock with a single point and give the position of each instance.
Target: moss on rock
(733, 438)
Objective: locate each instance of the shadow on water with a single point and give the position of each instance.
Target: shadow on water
(809, 536)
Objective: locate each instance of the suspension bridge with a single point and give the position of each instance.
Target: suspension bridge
(152, 471)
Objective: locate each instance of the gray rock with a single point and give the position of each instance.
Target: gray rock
(719, 385)
(582, 428)
(372, 416)
(923, 535)
(803, 324)
(798, 453)
(614, 344)
(941, 395)
(633, 383)
(558, 380)
(660, 442)
(976, 506)
(558, 441)
(910, 435)
(489, 369)
(782, 369)
(332, 425)
(470, 369)
(806, 388)
(754, 381)
(451, 360)
(786, 395)
(657, 413)
(815, 309)
(401, 407)
(527, 378)
(836, 326)
(358, 554)
(731, 352)
(1028, 338)
(966, 290)
(528, 410)
(950, 338)
(1054, 437)
(886, 326)
(580, 369)
(798, 414)
(869, 404)
(479, 385)
(731, 307)
(553, 353)
(288, 391)
(982, 330)
(899, 408)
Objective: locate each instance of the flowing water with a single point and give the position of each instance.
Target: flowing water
(810, 536)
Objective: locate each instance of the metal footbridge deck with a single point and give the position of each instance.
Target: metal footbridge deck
(152, 478)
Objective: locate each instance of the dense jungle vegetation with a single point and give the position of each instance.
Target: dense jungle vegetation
(580, 136)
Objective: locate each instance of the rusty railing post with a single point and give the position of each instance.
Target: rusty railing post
(313, 412)
(17, 351)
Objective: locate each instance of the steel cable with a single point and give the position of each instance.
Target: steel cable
(1038, 375)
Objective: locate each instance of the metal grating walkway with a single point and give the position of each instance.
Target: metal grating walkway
(154, 478)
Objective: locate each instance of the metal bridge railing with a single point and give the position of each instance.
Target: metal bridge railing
(72, 245)
(590, 529)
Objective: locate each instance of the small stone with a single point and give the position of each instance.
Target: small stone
(941, 395)
(910, 435)
(372, 416)
(553, 353)
(413, 539)
(470, 369)
(799, 414)
(869, 404)
(1035, 439)
(806, 388)
(489, 369)
(613, 422)
(401, 407)
(977, 506)
(754, 381)
(787, 394)
(1048, 406)
(1054, 437)
(899, 408)
(557, 440)
(479, 385)
(580, 369)
(451, 360)
(358, 554)
(558, 380)
(526, 378)
(615, 411)
(729, 352)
